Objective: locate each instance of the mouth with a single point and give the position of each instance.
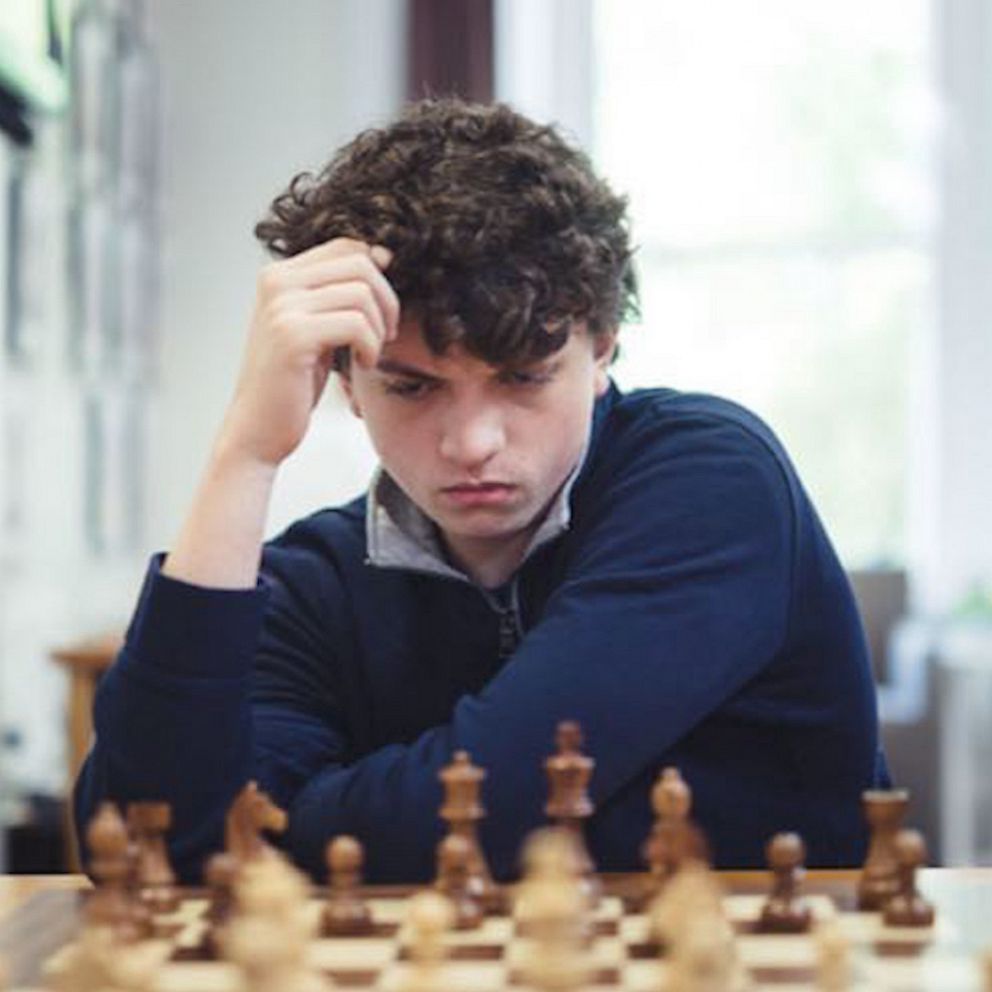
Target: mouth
(479, 493)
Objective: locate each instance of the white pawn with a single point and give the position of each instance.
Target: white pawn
(97, 960)
(688, 919)
(430, 916)
(552, 910)
(692, 892)
(833, 959)
(705, 958)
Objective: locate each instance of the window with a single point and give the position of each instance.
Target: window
(779, 165)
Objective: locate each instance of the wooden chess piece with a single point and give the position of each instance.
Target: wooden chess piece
(221, 875)
(251, 813)
(569, 805)
(694, 892)
(96, 961)
(454, 855)
(907, 908)
(884, 810)
(429, 917)
(345, 912)
(141, 914)
(109, 906)
(705, 958)
(462, 811)
(149, 822)
(552, 912)
(674, 838)
(269, 936)
(834, 970)
(785, 911)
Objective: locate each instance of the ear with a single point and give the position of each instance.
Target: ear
(604, 348)
(347, 386)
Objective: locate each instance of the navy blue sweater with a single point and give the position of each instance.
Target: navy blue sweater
(694, 613)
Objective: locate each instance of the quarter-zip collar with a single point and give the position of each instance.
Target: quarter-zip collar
(399, 534)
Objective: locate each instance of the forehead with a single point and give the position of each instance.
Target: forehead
(410, 347)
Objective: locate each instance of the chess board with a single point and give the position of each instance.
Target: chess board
(620, 953)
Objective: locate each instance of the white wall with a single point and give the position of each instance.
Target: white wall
(957, 540)
(252, 93)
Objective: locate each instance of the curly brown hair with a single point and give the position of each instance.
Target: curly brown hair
(500, 230)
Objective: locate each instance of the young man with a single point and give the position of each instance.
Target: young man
(536, 546)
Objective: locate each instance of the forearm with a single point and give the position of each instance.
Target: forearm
(220, 544)
(160, 740)
(172, 719)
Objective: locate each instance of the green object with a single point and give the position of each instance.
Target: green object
(976, 604)
(37, 79)
(26, 68)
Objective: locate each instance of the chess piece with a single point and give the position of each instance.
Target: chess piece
(345, 913)
(907, 908)
(109, 905)
(687, 919)
(221, 874)
(97, 961)
(149, 822)
(269, 935)
(884, 810)
(454, 855)
(141, 914)
(705, 959)
(834, 971)
(429, 917)
(693, 892)
(785, 911)
(462, 811)
(674, 838)
(251, 812)
(553, 913)
(569, 805)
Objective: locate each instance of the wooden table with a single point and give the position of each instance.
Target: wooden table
(85, 661)
(963, 898)
(16, 889)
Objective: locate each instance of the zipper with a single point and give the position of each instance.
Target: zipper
(510, 626)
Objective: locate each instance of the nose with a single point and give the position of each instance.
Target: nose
(471, 435)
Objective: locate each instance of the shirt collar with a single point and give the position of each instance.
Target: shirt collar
(400, 535)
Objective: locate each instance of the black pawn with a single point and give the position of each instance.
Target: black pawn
(907, 908)
(785, 911)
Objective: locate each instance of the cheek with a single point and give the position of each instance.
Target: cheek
(559, 441)
(398, 437)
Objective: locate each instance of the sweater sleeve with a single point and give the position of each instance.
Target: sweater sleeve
(677, 593)
(173, 717)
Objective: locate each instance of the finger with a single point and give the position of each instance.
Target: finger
(347, 269)
(356, 295)
(335, 248)
(346, 329)
(381, 255)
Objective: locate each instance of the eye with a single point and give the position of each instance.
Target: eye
(410, 389)
(526, 377)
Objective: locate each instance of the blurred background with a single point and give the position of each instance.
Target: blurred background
(811, 193)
